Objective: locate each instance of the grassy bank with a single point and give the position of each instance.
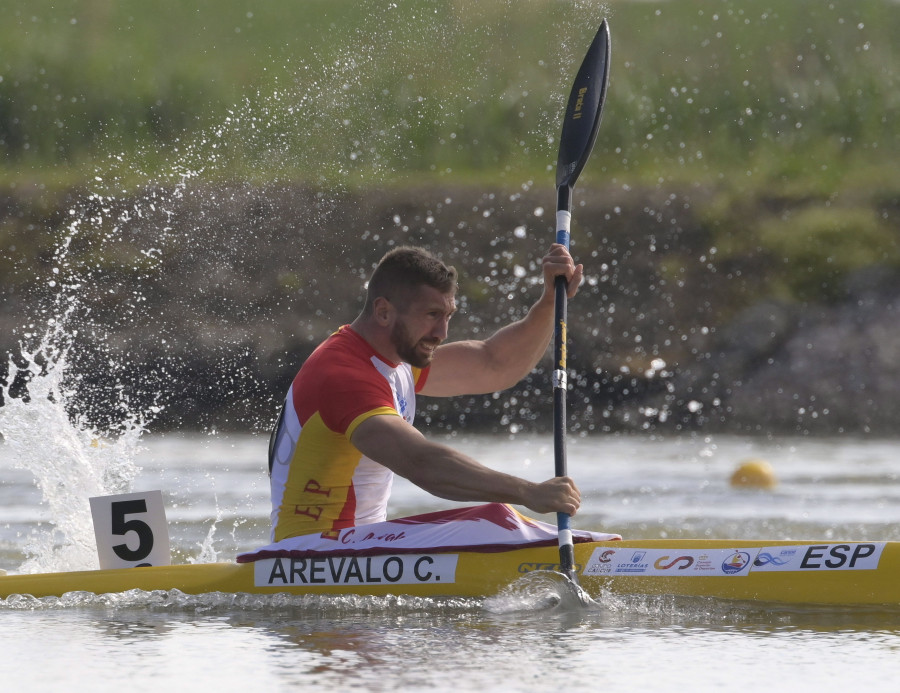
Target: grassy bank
(801, 94)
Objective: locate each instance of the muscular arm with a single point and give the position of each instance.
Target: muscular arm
(446, 473)
(503, 359)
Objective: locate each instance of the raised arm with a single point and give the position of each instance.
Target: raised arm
(503, 359)
(446, 473)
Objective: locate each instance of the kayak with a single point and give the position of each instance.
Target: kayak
(788, 572)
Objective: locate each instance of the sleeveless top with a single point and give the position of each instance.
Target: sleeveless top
(320, 483)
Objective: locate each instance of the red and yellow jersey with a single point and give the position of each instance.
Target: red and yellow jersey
(319, 481)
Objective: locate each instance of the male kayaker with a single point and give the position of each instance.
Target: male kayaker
(346, 426)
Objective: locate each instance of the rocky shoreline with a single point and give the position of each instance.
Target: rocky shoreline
(204, 302)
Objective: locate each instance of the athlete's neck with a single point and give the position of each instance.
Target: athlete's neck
(377, 337)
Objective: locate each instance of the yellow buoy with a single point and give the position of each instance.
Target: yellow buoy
(754, 474)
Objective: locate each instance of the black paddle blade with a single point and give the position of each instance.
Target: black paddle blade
(582, 119)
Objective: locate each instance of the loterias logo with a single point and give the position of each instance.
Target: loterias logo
(637, 563)
(405, 569)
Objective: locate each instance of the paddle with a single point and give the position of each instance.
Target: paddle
(579, 131)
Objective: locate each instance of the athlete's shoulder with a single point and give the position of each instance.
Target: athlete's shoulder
(342, 346)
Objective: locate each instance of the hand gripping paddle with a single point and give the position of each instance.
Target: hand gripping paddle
(579, 131)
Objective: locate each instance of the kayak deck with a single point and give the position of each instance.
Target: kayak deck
(827, 573)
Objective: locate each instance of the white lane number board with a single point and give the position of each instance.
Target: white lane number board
(131, 530)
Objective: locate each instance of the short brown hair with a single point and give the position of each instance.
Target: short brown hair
(403, 270)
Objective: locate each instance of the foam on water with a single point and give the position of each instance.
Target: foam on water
(539, 590)
(225, 602)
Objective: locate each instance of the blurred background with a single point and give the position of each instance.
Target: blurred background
(192, 196)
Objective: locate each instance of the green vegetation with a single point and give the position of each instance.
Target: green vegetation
(828, 243)
(761, 91)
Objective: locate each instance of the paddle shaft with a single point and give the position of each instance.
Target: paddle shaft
(563, 520)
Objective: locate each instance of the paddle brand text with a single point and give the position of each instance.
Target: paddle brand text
(579, 103)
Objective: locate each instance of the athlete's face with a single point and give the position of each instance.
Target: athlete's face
(422, 326)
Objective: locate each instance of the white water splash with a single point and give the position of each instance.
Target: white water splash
(208, 553)
(70, 460)
(539, 590)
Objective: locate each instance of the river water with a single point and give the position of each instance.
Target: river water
(215, 492)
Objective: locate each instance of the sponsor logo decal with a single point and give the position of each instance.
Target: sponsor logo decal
(636, 563)
(856, 556)
(778, 559)
(406, 569)
(682, 562)
(669, 563)
(736, 562)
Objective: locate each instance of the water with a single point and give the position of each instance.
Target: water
(216, 498)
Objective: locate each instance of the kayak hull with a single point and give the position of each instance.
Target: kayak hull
(826, 573)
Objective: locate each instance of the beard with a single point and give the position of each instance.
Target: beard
(409, 350)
